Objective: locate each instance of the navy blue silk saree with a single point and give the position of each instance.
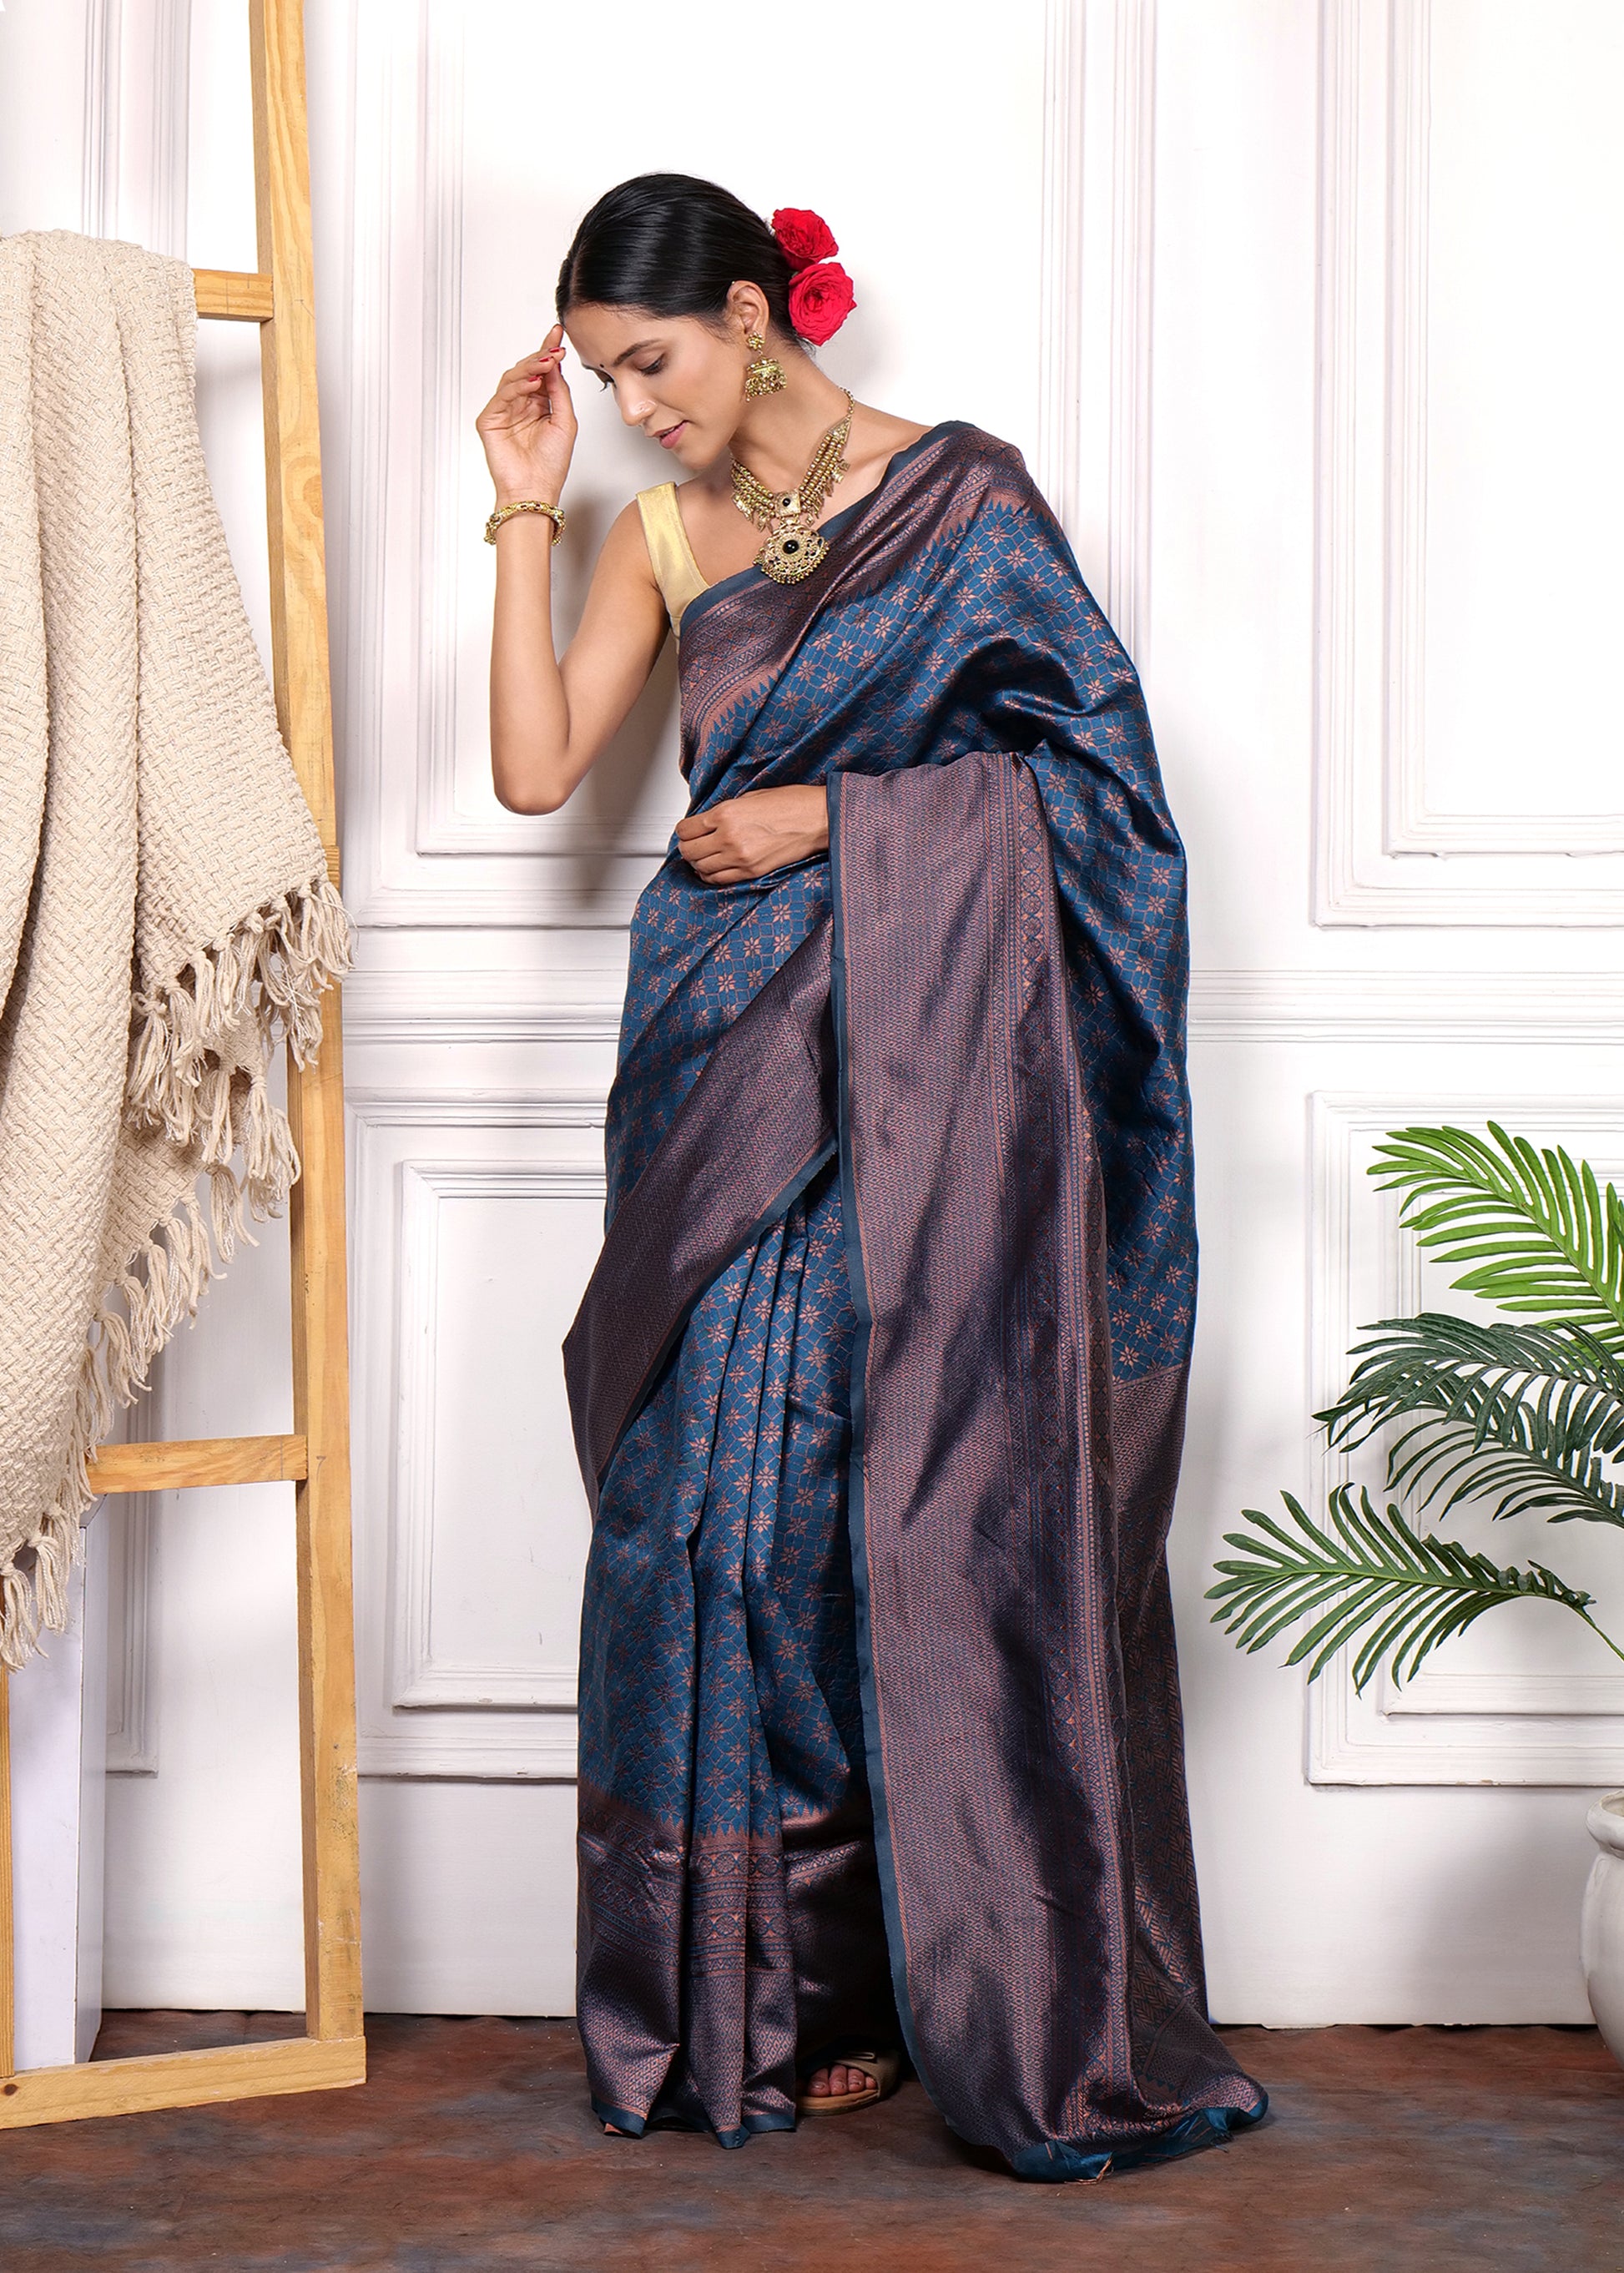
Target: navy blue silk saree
(879, 1384)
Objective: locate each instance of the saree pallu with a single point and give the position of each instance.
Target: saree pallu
(879, 1384)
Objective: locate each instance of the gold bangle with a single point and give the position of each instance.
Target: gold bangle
(524, 504)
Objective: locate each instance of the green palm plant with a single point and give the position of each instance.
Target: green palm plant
(1527, 1418)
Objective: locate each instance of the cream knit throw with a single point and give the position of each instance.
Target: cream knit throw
(165, 911)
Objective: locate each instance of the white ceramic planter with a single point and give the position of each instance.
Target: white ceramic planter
(1601, 1930)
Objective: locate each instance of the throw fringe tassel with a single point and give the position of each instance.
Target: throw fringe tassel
(274, 966)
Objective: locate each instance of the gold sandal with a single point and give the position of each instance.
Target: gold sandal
(884, 2068)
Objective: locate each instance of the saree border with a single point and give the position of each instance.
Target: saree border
(780, 1036)
(856, 1512)
(1060, 2155)
(773, 1212)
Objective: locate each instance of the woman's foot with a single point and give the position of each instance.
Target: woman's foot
(838, 2081)
(841, 2086)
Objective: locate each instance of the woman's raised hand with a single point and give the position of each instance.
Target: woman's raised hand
(527, 427)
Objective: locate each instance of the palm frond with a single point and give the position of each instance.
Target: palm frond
(1540, 1234)
(1503, 1357)
(1437, 1461)
(1367, 1575)
(1527, 1416)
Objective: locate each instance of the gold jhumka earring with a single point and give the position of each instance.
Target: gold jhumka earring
(764, 376)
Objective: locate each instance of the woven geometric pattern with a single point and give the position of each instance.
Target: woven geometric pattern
(165, 911)
(869, 1602)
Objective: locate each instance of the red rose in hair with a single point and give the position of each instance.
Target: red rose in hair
(820, 300)
(805, 236)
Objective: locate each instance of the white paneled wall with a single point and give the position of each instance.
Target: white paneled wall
(1334, 568)
(477, 1222)
(1468, 209)
(1299, 313)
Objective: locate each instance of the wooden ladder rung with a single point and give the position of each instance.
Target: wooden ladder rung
(228, 293)
(201, 1461)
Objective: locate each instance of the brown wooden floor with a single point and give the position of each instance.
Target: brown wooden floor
(472, 2150)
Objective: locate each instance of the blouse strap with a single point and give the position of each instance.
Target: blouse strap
(670, 556)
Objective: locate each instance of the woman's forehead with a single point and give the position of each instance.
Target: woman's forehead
(603, 335)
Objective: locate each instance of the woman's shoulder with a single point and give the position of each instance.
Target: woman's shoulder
(886, 433)
(950, 439)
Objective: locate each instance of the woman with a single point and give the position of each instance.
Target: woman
(878, 1386)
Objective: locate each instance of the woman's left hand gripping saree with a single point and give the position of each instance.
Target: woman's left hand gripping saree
(878, 1386)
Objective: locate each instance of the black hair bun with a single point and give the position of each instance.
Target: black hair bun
(674, 246)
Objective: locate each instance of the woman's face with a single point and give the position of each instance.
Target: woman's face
(679, 380)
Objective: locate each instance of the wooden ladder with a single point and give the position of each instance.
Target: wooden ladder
(315, 1459)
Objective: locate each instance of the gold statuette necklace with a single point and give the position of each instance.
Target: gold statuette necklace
(794, 548)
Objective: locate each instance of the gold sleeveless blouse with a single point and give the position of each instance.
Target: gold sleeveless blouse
(676, 571)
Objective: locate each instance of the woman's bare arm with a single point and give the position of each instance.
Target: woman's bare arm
(550, 721)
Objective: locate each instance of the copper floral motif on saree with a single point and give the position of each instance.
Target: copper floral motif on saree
(879, 1384)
